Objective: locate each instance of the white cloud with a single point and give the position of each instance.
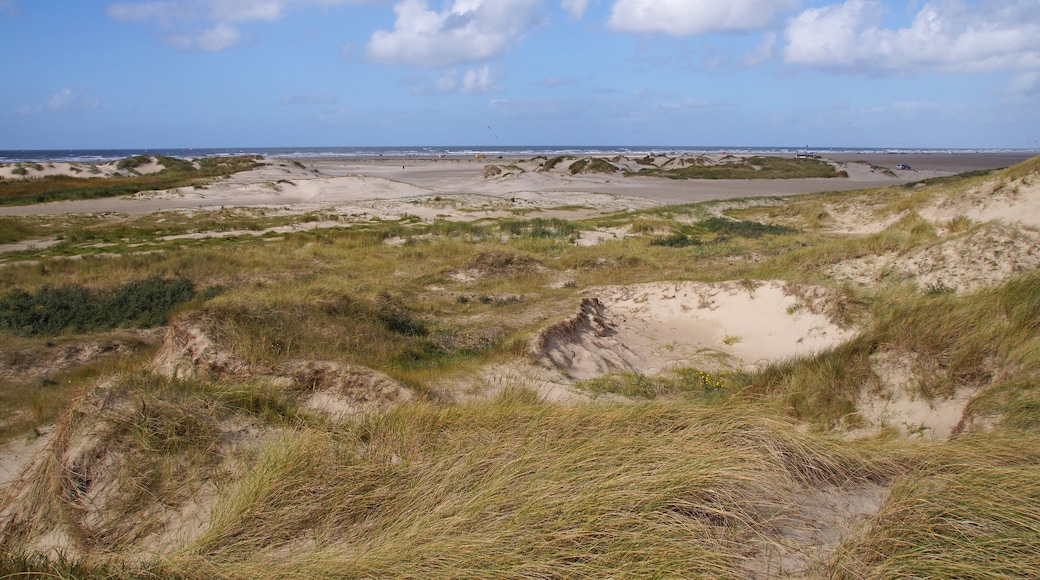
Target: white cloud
(575, 7)
(220, 15)
(762, 52)
(64, 101)
(690, 17)
(948, 35)
(70, 100)
(217, 38)
(162, 12)
(166, 11)
(467, 31)
(477, 80)
(7, 5)
(472, 81)
(1027, 83)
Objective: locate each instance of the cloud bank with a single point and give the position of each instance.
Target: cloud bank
(221, 14)
(951, 37)
(692, 17)
(465, 31)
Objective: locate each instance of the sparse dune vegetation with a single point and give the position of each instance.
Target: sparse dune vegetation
(521, 383)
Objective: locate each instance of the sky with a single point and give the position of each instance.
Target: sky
(81, 74)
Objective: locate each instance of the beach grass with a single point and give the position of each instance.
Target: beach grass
(692, 473)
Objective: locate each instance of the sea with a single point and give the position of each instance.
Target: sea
(105, 155)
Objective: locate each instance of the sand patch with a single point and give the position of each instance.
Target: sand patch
(24, 362)
(601, 235)
(1009, 200)
(340, 390)
(812, 526)
(28, 245)
(983, 258)
(189, 351)
(898, 403)
(15, 455)
(657, 327)
(328, 387)
(550, 385)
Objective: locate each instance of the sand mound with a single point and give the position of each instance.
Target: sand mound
(341, 390)
(31, 363)
(983, 258)
(587, 344)
(115, 473)
(1015, 200)
(188, 351)
(657, 327)
(491, 171)
(329, 387)
(495, 263)
(32, 170)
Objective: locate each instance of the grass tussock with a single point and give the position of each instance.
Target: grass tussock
(516, 488)
(126, 453)
(691, 474)
(970, 513)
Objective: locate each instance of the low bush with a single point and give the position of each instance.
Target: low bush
(676, 240)
(73, 308)
(744, 229)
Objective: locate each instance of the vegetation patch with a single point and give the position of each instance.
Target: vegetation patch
(73, 308)
(757, 167)
(550, 164)
(743, 229)
(676, 240)
(687, 381)
(592, 165)
(539, 228)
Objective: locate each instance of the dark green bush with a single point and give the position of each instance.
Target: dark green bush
(730, 227)
(539, 228)
(676, 240)
(73, 308)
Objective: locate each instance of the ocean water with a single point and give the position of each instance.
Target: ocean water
(104, 155)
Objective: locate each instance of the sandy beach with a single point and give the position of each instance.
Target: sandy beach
(368, 184)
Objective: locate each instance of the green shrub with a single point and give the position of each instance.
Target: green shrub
(724, 226)
(676, 240)
(73, 308)
(540, 228)
(592, 165)
(133, 162)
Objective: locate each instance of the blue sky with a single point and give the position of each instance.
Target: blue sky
(294, 73)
